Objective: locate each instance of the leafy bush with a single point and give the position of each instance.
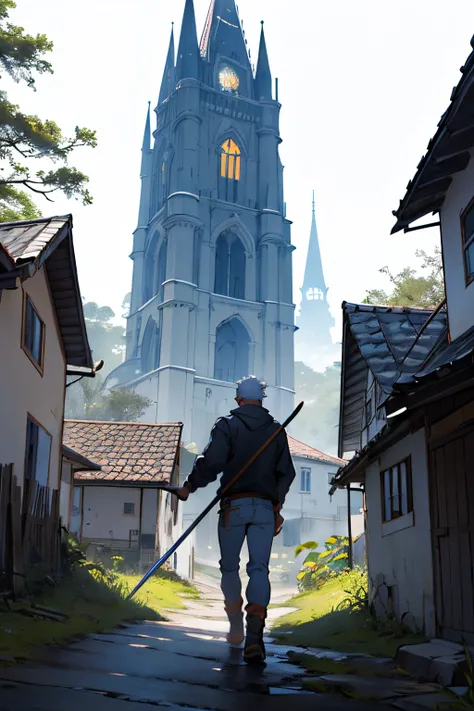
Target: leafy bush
(356, 587)
(318, 568)
(118, 564)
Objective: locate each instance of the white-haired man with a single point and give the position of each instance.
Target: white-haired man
(250, 510)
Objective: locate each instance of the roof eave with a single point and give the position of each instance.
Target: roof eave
(78, 460)
(458, 96)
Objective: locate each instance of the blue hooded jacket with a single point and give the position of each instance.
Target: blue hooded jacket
(234, 439)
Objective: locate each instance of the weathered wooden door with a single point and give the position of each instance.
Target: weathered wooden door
(452, 511)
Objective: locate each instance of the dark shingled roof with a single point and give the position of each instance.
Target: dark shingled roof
(446, 357)
(447, 154)
(128, 452)
(387, 341)
(27, 246)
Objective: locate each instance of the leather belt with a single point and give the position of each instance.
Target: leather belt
(226, 504)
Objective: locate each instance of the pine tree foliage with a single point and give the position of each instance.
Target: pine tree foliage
(27, 141)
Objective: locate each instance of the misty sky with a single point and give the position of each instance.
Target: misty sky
(363, 85)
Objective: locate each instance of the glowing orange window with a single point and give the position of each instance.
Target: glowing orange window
(230, 160)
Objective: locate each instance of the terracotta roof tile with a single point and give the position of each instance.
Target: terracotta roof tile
(299, 449)
(128, 451)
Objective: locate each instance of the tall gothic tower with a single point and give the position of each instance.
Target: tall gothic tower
(212, 254)
(314, 342)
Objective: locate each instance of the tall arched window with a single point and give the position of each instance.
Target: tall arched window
(230, 170)
(161, 270)
(150, 354)
(150, 265)
(230, 266)
(231, 361)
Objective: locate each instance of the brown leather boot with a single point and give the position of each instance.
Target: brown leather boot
(254, 651)
(236, 619)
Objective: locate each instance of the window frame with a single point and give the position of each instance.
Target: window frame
(35, 423)
(305, 471)
(228, 188)
(39, 366)
(128, 503)
(466, 245)
(394, 515)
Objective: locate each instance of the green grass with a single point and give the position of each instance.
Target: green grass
(92, 605)
(162, 594)
(315, 624)
(324, 666)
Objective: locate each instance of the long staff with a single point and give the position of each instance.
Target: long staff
(213, 503)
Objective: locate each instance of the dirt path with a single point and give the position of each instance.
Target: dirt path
(184, 663)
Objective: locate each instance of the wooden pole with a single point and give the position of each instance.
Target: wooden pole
(349, 526)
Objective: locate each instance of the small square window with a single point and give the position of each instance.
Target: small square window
(33, 334)
(467, 228)
(397, 491)
(305, 481)
(129, 509)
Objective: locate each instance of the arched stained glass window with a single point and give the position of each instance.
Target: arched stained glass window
(230, 267)
(232, 351)
(230, 160)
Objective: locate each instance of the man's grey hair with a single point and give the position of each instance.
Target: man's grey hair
(262, 383)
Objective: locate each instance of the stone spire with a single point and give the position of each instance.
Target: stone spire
(314, 275)
(168, 83)
(187, 65)
(145, 173)
(223, 34)
(263, 78)
(315, 320)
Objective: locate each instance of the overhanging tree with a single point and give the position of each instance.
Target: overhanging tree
(410, 288)
(27, 140)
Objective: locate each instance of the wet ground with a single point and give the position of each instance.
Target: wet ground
(183, 663)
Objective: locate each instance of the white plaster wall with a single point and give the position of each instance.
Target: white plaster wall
(76, 511)
(318, 504)
(460, 297)
(399, 552)
(103, 513)
(150, 510)
(65, 493)
(24, 390)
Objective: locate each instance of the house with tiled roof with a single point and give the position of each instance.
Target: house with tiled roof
(42, 340)
(121, 508)
(407, 405)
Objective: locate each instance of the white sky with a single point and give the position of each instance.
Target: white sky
(363, 85)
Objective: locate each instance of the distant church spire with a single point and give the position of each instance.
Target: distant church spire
(168, 82)
(315, 321)
(314, 275)
(187, 65)
(263, 78)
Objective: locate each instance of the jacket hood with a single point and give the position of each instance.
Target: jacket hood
(253, 417)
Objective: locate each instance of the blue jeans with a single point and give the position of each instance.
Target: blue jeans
(254, 519)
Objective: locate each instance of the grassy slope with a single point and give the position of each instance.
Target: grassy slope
(315, 625)
(92, 607)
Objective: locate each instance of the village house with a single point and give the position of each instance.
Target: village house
(43, 339)
(120, 510)
(407, 404)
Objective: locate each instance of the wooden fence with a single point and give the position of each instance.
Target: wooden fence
(30, 531)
